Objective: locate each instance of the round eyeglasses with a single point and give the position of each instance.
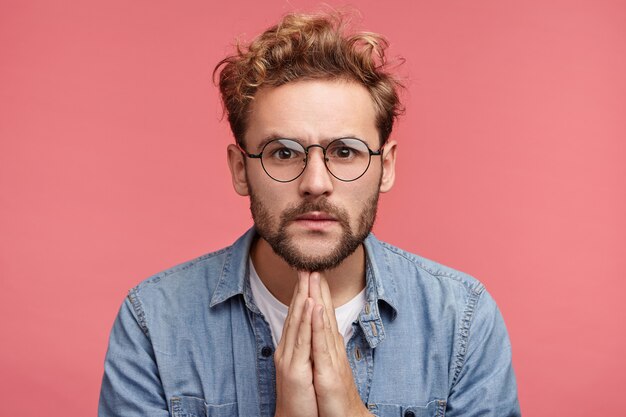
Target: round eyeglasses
(284, 160)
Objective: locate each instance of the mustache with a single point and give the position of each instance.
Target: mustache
(324, 205)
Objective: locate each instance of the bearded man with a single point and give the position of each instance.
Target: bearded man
(308, 314)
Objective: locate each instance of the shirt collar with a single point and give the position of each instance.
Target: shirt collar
(235, 271)
(380, 284)
(381, 292)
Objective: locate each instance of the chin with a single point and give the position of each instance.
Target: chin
(315, 244)
(320, 256)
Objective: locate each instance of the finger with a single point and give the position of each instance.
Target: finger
(280, 347)
(315, 289)
(300, 295)
(332, 337)
(303, 283)
(302, 346)
(335, 337)
(294, 316)
(328, 302)
(322, 358)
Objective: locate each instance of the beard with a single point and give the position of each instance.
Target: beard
(285, 247)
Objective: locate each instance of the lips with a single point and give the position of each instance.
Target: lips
(316, 216)
(316, 221)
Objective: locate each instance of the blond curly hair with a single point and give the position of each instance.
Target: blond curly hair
(304, 47)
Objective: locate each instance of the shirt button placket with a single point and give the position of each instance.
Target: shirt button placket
(267, 351)
(360, 358)
(265, 364)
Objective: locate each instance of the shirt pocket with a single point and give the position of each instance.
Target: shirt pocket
(186, 406)
(435, 408)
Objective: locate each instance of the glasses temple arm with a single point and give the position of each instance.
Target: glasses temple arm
(248, 154)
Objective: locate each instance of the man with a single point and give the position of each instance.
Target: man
(308, 314)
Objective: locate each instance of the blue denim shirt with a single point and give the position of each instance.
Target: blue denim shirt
(190, 341)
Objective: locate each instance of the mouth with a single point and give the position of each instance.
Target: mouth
(316, 216)
(315, 220)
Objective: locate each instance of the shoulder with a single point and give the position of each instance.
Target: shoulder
(423, 290)
(186, 292)
(179, 292)
(184, 277)
(442, 304)
(405, 269)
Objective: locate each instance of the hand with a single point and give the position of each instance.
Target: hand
(295, 393)
(335, 389)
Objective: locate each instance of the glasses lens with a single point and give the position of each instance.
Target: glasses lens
(347, 159)
(283, 159)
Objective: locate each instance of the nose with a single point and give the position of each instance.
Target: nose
(315, 180)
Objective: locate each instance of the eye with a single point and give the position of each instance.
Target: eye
(284, 153)
(283, 150)
(342, 152)
(345, 150)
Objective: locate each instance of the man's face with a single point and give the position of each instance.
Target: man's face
(315, 221)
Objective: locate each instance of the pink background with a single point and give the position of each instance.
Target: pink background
(511, 167)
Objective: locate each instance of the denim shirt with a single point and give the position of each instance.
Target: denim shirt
(190, 341)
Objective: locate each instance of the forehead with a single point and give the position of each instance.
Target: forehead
(312, 111)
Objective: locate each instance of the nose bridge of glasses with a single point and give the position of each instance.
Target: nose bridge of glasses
(316, 145)
(316, 175)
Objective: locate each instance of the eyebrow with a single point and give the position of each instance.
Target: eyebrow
(270, 138)
(275, 136)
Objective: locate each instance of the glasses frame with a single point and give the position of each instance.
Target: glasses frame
(306, 157)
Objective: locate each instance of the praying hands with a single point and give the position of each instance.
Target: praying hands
(313, 376)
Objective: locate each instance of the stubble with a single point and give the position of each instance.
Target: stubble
(284, 245)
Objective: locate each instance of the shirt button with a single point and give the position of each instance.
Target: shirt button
(266, 351)
(409, 413)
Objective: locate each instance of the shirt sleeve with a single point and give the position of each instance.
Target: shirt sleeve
(485, 383)
(131, 385)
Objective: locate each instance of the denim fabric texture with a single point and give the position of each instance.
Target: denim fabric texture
(190, 342)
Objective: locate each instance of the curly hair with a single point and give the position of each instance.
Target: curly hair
(305, 47)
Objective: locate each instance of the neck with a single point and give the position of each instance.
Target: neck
(345, 281)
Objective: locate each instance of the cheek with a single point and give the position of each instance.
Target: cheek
(358, 199)
(274, 196)
(368, 185)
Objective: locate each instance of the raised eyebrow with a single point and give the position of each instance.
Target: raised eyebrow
(323, 142)
(270, 138)
(345, 137)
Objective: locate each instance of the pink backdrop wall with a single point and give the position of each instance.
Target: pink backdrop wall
(511, 167)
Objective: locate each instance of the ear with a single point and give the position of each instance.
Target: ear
(237, 165)
(389, 166)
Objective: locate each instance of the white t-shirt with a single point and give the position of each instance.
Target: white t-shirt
(275, 312)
